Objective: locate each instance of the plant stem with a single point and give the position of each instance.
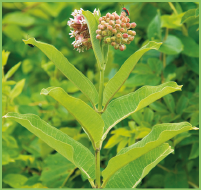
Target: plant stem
(97, 157)
(101, 86)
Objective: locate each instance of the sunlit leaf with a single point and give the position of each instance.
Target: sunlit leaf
(90, 120)
(124, 106)
(81, 81)
(120, 77)
(15, 180)
(12, 71)
(159, 134)
(75, 152)
(16, 91)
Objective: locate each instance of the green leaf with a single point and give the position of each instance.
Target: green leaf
(5, 55)
(171, 46)
(159, 134)
(75, 152)
(189, 15)
(120, 77)
(56, 171)
(15, 180)
(124, 106)
(18, 18)
(154, 28)
(81, 81)
(197, 12)
(90, 120)
(194, 151)
(12, 70)
(191, 48)
(92, 24)
(131, 174)
(17, 89)
(169, 100)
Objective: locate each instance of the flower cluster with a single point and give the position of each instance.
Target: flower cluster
(114, 30)
(80, 31)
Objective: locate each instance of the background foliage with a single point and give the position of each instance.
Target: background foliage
(28, 161)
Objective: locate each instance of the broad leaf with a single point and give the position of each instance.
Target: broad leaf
(124, 106)
(159, 134)
(92, 24)
(130, 175)
(75, 152)
(17, 89)
(120, 77)
(81, 81)
(190, 14)
(90, 120)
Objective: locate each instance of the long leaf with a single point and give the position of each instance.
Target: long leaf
(75, 152)
(159, 134)
(81, 81)
(130, 175)
(120, 77)
(92, 24)
(124, 106)
(90, 120)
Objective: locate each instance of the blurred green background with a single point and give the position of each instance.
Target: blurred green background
(28, 161)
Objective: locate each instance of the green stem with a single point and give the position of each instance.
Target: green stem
(101, 86)
(97, 157)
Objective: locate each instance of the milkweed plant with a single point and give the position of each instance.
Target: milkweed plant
(131, 164)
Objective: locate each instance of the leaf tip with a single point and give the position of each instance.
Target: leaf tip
(195, 128)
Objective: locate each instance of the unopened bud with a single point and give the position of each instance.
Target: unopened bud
(98, 37)
(108, 40)
(131, 38)
(103, 22)
(118, 40)
(106, 24)
(114, 13)
(125, 35)
(98, 31)
(124, 41)
(128, 19)
(109, 27)
(122, 47)
(133, 33)
(133, 25)
(117, 26)
(117, 17)
(123, 25)
(122, 30)
(123, 13)
(108, 20)
(116, 46)
(128, 25)
(114, 31)
(100, 19)
(118, 21)
(130, 32)
(101, 27)
(111, 22)
(112, 17)
(124, 20)
(104, 33)
(104, 17)
(108, 15)
(113, 43)
(119, 35)
(113, 38)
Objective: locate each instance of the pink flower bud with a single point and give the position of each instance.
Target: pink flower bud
(114, 13)
(117, 26)
(118, 35)
(122, 47)
(123, 25)
(122, 30)
(128, 19)
(128, 25)
(124, 19)
(113, 43)
(111, 22)
(109, 27)
(100, 19)
(112, 17)
(104, 17)
(123, 13)
(117, 17)
(106, 24)
(118, 21)
(108, 15)
(98, 31)
(125, 35)
(114, 31)
(98, 37)
(121, 17)
(133, 33)
(108, 20)
(131, 38)
(133, 25)
(103, 22)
